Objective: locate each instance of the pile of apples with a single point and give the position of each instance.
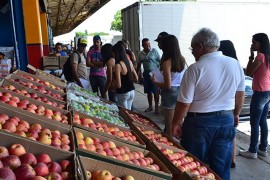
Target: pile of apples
(141, 120)
(40, 88)
(108, 148)
(24, 104)
(34, 132)
(154, 137)
(16, 163)
(105, 175)
(33, 96)
(45, 83)
(102, 127)
(187, 164)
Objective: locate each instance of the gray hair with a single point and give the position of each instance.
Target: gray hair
(207, 37)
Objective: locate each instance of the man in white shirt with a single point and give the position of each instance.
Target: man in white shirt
(210, 99)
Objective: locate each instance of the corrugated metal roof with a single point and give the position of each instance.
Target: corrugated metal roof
(66, 15)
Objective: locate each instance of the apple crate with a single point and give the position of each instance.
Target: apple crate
(14, 76)
(127, 116)
(44, 124)
(21, 96)
(40, 117)
(56, 155)
(90, 164)
(7, 82)
(163, 173)
(135, 127)
(140, 143)
(177, 173)
(19, 72)
(50, 77)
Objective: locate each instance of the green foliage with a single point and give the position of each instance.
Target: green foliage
(85, 33)
(116, 24)
(98, 33)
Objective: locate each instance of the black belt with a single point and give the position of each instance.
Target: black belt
(214, 113)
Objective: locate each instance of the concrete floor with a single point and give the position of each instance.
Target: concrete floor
(246, 169)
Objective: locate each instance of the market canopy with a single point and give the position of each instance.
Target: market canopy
(66, 15)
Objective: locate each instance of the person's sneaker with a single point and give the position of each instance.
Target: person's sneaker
(262, 153)
(248, 154)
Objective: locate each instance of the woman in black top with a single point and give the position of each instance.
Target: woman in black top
(125, 74)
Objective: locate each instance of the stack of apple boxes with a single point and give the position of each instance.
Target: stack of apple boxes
(35, 129)
(34, 115)
(181, 163)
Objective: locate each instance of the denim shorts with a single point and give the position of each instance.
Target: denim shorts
(169, 97)
(149, 86)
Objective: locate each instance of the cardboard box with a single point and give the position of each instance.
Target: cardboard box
(50, 77)
(62, 61)
(141, 143)
(177, 174)
(35, 148)
(50, 62)
(125, 114)
(134, 126)
(62, 94)
(164, 173)
(19, 72)
(90, 164)
(6, 82)
(40, 117)
(15, 76)
(44, 124)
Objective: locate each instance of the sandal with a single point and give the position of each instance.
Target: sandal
(148, 110)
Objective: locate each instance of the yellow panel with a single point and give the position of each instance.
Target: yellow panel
(32, 21)
(44, 28)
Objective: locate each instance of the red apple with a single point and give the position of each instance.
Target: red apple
(65, 165)
(54, 167)
(41, 169)
(16, 149)
(9, 126)
(96, 140)
(108, 152)
(91, 147)
(45, 158)
(28, 158)
(7, 173)
(3, 118)
(105, 145)
(24, 172)
(65, 147)
(11, 161)
(3, 152)
(66, 175)
(115, 151)
(25, 123)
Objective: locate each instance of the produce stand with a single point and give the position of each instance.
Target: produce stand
(96, 136)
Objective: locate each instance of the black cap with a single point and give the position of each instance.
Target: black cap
(161, 35)
(96, 38)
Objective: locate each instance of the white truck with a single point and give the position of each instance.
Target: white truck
(230, 20)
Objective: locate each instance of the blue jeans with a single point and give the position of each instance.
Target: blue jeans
(97, 82)
(125, 100)
(258, 118)
(210, 139)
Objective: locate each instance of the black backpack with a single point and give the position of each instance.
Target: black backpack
(67, 69)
